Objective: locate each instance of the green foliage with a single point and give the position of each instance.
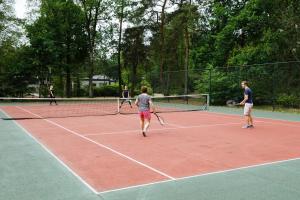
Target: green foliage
(15, 70)
(107, 91)
(289, 101)
(58, 40)
(221, 85)
(146, 83)
(71, 41)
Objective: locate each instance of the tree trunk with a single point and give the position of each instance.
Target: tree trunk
(187, 50)
(91, 74)
(68, 71)
(133, 80)
(186, 59)
(61, 85)
(162, 41)
(91, 17)
(119, 50)
(78, 85)
(68, 83)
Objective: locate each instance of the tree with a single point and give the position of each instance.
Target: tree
(58, 40)
(12, 75)
(121, 18)
(94, 11)
(134, 52)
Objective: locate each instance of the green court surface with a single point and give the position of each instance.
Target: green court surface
(257, 113)
(277, 181)
(30, 172)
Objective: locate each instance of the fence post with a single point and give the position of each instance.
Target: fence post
(273, 87)
(209, 93)
(186, 80)
(168, 83)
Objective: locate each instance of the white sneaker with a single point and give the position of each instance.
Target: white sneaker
(246, 126)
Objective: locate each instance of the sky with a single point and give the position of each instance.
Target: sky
(20, 8)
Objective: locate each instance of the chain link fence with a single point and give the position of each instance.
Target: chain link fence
(275, 85)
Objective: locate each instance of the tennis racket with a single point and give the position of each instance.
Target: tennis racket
(232, 103)
(160, 119)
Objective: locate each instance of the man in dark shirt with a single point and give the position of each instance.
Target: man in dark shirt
(125, 97)
(248, 104)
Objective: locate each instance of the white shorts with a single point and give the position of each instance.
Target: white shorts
(248, 108)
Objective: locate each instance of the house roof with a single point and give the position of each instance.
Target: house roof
(100, 78)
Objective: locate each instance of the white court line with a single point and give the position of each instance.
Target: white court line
(182, 127)
(136, 118)
(225, 171)
(208, 113)
(161, 129)
(152, 120)
(200, 175)
(54, 156)
(278, 123)
(102, 145)
(233, 116)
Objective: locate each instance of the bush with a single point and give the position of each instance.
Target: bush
(107, 91)
(144, 82)
(223, 86)
(288, 100)
(82, 92)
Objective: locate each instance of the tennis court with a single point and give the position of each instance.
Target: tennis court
(196, 155)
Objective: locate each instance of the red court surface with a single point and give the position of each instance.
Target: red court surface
(109, 152)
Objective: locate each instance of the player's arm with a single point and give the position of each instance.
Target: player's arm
(152, 106)
(136, 102)
(245, 99)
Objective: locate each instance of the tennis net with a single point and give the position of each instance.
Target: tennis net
(27, 108)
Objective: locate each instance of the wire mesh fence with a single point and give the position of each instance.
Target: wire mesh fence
(275, 85)
(74, 85)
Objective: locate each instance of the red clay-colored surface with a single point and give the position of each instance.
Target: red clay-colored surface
(193, 143)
